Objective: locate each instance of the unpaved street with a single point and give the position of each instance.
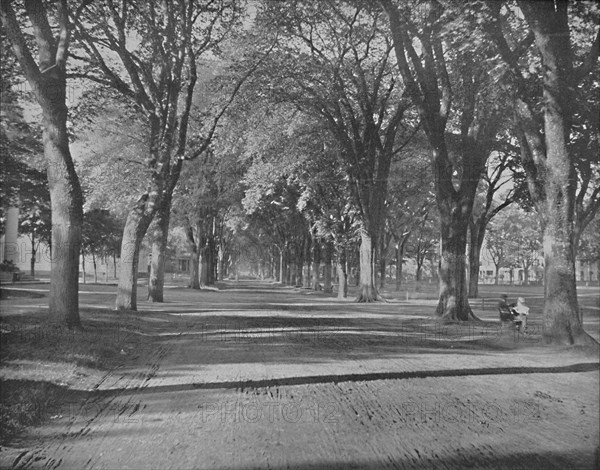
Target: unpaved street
(262, 377)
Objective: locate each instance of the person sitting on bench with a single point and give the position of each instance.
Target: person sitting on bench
(504, 309)
(522, 311)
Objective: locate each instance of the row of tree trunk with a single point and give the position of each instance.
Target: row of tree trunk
(209, 261)
(299, 264)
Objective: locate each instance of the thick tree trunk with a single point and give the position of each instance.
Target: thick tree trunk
(551, 169)
(194, 269)
(156, 282)
(95, 268)
(194, 257)
(398, 269)
(215, 259)
(399, 263)
(367, 291)
(307, 268)
(66, 198)
(316, 265)
(292, 274)
(454, 201)
(299, 275)
(342, 275)
(327, 287)
(420, 259)
(67, 210)
(474, 256)
(216, 266)
(204, 266)
(453, 301)
(299, 264)
(83, 267)
(210, 261)
(222, 265)
(136, 226)
(284, 267)
(32, 260)
(358, 267)
(562, 317)
(281, 265)
(227, 266)
(382, 263)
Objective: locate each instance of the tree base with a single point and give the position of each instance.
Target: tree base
(581, 340)
(74, 326)
(452, 313)
(368, 298)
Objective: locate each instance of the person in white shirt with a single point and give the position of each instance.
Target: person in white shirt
(522, 311)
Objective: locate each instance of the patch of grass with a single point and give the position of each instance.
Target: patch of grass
(97, 345)
(44, 364)
(8, 293)
(26, 403)
(43, 342)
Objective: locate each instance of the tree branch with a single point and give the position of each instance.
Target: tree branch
(206, 142)
(43, 33)
(64, 35)
(22, 52)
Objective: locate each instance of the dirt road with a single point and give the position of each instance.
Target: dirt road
(262, 377)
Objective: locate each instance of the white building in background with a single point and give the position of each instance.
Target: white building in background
(587, 272)
(584, 272)
(17, 248)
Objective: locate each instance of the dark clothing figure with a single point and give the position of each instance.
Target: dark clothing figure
(504, 309)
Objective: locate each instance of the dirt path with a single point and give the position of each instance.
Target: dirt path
(260, 377)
